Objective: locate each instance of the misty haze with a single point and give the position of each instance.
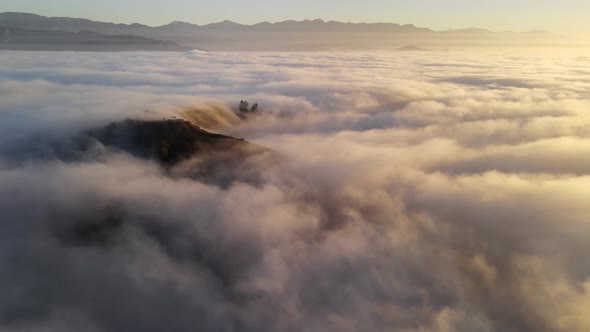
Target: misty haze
(299, 175)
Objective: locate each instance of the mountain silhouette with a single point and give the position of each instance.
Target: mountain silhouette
(290, 35)
(48, 40)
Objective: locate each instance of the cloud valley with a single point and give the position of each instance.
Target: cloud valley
(422, 191)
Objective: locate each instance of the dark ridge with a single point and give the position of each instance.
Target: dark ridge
(168, 141)
(182, 148)
(44, 40)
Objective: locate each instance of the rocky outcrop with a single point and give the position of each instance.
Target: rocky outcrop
(169, 141)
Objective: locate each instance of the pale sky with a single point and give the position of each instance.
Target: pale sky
(562, 16)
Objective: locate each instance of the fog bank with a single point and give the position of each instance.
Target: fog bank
(414, 191)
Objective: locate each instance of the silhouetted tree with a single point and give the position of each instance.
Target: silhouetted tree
(243, 106)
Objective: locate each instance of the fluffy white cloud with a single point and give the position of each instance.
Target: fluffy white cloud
(422, 191)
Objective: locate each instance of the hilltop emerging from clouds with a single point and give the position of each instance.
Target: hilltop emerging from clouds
(308, 35)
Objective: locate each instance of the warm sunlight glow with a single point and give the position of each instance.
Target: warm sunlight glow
(301, 175)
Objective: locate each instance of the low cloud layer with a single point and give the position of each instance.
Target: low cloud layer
(421, 191)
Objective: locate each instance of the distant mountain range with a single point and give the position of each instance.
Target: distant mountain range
(45, 40)
(308, 35)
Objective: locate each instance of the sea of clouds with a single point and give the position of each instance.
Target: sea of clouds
(415, 191)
